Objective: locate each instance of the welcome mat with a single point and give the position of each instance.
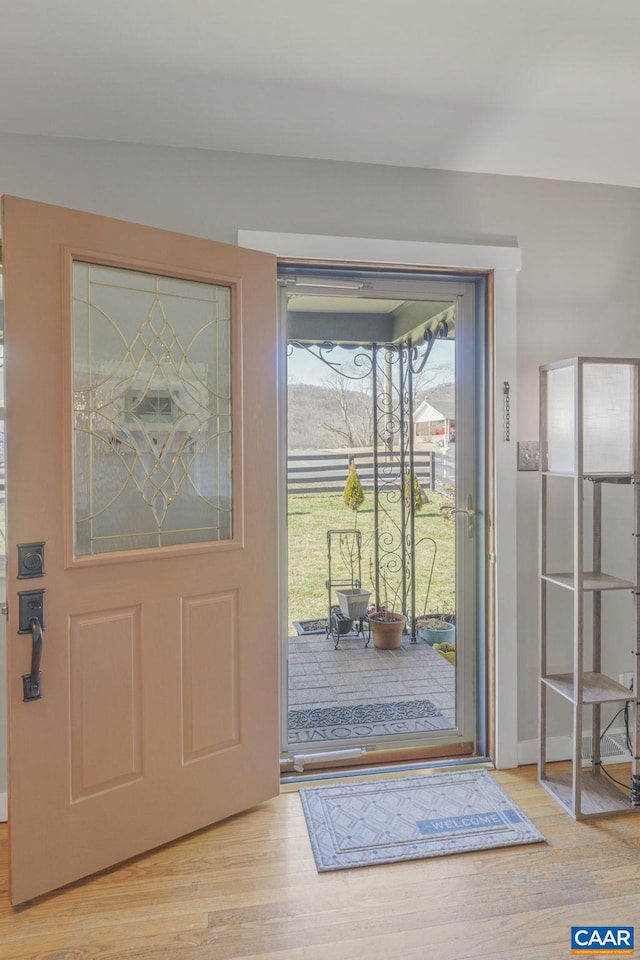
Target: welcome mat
(411, 818)
(318, 724)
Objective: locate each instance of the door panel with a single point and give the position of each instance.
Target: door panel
(141, 448)
(210, 695)
(104, 681)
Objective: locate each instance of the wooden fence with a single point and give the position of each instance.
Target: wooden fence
(327, 472)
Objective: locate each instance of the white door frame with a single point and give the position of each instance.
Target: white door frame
(504, 263)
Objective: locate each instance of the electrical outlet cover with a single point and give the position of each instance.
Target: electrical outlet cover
(528, 454)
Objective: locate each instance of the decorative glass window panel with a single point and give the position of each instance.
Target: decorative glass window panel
(152, 410)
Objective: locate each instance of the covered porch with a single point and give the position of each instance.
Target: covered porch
(357, 692)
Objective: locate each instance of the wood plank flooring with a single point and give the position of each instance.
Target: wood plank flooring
(247, 889)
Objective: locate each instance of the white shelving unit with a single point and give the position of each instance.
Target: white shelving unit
(589, 423)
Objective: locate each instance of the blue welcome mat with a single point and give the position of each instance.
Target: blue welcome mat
(411, 818)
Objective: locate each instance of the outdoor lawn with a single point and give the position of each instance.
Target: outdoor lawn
(312, 515)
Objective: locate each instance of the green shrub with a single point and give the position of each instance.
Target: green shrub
(353, 495)
(418, 497)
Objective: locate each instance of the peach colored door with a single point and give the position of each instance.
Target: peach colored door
(141, 450)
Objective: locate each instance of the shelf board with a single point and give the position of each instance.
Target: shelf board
(591, 476)
(599, 796)
(590, 581)
(596, 687)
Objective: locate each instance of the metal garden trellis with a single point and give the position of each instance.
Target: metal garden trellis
(392, 368)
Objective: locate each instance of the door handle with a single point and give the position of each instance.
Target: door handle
(31, 619)
(470, 512)
(31, 688)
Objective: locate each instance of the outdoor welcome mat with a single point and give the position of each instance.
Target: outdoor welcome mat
(408, 819)
(317, 724)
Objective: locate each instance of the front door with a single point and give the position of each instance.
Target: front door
(141, 453)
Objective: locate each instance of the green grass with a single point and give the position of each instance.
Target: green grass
(311, 515)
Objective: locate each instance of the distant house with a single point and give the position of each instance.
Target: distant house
(435, 421)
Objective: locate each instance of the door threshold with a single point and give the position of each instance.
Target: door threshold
(365, 756)
(313, 776)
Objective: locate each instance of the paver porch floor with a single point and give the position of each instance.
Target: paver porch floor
(320, 676)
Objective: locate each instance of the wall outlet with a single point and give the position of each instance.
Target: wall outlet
(528, 454)
(626, 679)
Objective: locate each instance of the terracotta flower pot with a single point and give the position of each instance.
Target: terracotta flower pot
(386, 633)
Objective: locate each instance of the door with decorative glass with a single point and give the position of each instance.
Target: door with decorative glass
(142, 639)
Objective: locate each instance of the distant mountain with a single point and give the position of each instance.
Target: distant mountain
(324, 417)
(311, 410)
(441, 392)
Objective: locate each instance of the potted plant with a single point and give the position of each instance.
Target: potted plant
(436, 629)
(446, 650)
(353, 600)
(386, 628)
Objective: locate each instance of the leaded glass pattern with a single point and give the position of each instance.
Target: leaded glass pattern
(152, 410)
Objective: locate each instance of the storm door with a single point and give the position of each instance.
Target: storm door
(385, 468)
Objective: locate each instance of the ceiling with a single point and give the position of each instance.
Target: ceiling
(545, 88)
(361, 319)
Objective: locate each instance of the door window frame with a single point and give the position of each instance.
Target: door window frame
(501, 265)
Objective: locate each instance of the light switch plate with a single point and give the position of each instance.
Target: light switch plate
(528, 454)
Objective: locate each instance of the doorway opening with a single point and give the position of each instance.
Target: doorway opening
(385, 467)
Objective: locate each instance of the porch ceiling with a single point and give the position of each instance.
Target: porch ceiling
(356, 321)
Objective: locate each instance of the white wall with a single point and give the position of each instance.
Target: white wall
(578, 291)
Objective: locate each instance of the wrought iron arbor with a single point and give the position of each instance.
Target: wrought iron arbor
(391, 370)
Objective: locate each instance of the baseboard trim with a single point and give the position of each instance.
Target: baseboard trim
(4, 807)
(558, 748)
(561, 748)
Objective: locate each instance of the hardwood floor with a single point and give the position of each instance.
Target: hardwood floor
(248, 888)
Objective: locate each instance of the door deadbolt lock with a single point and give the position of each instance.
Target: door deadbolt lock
(30, 560)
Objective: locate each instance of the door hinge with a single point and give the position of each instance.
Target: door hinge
(4, 609)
